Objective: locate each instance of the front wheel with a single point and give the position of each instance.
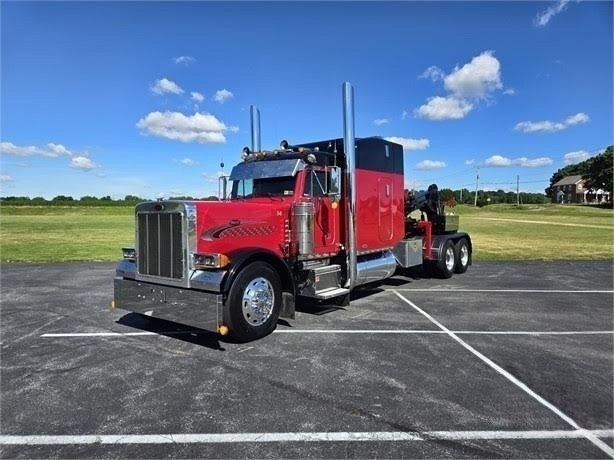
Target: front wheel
(463, 256)
(254, 302)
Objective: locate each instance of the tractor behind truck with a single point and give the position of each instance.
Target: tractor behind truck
(309, 220)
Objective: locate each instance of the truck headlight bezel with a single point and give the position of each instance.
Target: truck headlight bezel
(204, 261)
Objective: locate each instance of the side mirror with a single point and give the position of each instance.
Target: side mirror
(334, 189)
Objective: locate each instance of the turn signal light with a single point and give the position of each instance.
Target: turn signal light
(129, 253)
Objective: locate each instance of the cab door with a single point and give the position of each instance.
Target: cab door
(326, 228)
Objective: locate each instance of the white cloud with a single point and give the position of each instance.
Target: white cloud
(499, 161)
(187, 162)
(552, 126)
(444, 108)
(433, 72)
(186, 60)
(409, 143)
(473, 82)
(164, 85)
(404, 114)
(477, 79)
(469, 162)
(5, 178)
(543, 18)
(203, 128)
(539, 126)
(577, 119)
(427, 165)
(578, 156)
(197, 97)
(533, 163)
(222, 96)
(509, 92)
(50, 150)
(82, 162)
(381, 121)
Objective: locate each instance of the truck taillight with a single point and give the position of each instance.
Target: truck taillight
(203, 261)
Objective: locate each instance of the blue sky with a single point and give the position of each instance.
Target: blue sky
(147, 98)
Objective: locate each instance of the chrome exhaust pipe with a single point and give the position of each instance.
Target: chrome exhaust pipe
(350, 183)
(255, 128)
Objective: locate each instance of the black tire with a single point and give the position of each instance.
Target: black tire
(463, 255)
(249, 320)
(444, 267)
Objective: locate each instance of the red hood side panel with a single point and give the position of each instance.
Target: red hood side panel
(228, 226)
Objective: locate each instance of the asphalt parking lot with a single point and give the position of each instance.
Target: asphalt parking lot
(511, 360)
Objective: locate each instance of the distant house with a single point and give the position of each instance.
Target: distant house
(572, 189)
(569, 189)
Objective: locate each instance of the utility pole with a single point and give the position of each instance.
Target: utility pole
(518, 191)
(461, 195)
(477, 180)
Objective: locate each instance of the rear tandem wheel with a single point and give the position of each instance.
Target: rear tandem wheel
(463, 255)
(445, 265)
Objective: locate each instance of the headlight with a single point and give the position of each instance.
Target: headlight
(201, 261)
(129, 253)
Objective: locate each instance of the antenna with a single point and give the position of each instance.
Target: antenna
(477, 180)
(223, 180)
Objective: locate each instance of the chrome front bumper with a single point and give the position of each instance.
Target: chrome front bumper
(199, 309)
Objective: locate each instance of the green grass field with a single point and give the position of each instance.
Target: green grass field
(54, 234)
(499, 232)
(539, 232)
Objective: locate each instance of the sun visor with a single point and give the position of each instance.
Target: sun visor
(265, 169)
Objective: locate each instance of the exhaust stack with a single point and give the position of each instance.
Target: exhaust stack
(255, 127)
(350, 183)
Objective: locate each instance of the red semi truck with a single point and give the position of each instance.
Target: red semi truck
(312, 220)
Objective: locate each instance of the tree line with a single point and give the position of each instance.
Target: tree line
(486, 197)
(465, 196)
(65, 200)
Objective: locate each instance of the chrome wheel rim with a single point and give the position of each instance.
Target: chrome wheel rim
(464, 255)
(450, 259)
(258, 301)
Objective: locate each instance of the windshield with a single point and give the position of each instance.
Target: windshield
(271, 186)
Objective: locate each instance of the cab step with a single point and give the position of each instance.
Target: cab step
(331, 293)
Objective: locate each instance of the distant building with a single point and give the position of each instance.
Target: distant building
(572, 189)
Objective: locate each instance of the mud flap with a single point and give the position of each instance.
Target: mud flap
(343, 300)
(287, 306)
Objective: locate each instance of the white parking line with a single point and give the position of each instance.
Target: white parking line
(216, 438)
(591, 437)
(528, 291)
(330, 331)
(114, 334)
(428, 331)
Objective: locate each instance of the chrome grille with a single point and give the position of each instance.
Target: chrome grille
(160, 248)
